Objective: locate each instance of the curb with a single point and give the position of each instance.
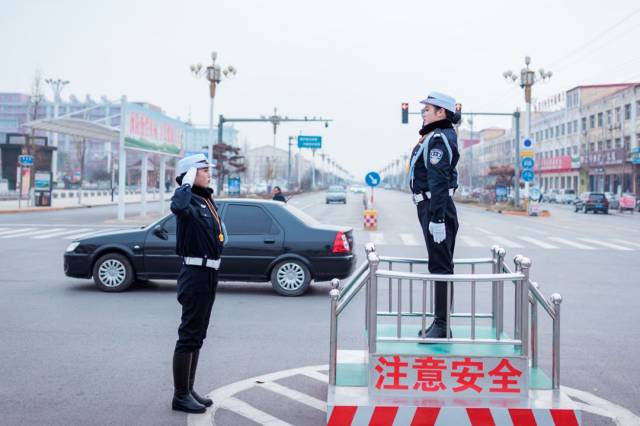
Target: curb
(54, 209)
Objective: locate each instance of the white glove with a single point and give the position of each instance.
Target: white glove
(190, 176)
(438, 231)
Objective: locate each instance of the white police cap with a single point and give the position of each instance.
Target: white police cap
(197, 160)
(440, 100)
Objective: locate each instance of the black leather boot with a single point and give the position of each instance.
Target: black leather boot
(182, 399)
(438, 330)
(192, 376)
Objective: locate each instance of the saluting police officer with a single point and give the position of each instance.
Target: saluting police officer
(200, 237)
(433, 180)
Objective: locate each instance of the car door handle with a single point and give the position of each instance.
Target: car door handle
(269, 241)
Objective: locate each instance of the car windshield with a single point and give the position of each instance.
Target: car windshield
(336, 188)
(596, 196)
(302, 216)
(569, 191)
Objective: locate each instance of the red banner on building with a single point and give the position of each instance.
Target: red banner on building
(466, 143)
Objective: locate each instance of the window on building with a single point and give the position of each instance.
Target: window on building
(592, 121)
(637, 108)
(592, 146)
(618, 143)
(608, 117)
(600, 123)
(562, 183)
(627, 112)
(557, 152)
(617, 115)
(575, 150)
(584, 124)
(627, 143)
(562, 129)
(584, 147)
(600, 145)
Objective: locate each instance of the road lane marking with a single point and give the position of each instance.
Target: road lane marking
(84, 234)
(505, 242)
(538, 243)
(19, 230)
(572, 243)
(221, 395)
(409, 240)
(57, 234)
(376, 238)
(471, 242)
(605, 244)
(251, 413)
(620, 415)
(484, 230)
(295, 395)
(36, 232)
(317, 375)
(629, 243)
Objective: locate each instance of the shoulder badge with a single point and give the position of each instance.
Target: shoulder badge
(435, 155)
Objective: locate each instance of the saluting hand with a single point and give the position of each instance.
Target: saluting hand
(438, 231)
(190, 176)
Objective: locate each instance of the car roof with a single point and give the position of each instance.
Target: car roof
(248, 200)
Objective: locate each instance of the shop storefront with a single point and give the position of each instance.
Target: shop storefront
(561, 172)
(608, 171)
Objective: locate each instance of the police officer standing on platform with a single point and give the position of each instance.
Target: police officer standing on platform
(433, 180)
(200, 237)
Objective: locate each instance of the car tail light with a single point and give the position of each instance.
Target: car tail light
(341, 243)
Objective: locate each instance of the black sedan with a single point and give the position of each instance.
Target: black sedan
(268, 241)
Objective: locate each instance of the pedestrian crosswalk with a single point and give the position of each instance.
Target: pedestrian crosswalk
(40, 232)
(478, 240)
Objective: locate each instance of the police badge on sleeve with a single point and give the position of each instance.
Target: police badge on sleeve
(435, 155)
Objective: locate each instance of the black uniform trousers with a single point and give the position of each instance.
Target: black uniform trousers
(440, 255)
(197, 287)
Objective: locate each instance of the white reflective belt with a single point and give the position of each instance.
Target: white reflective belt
(198, 261)
(429, 194)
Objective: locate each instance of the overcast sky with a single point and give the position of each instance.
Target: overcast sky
(352, 61)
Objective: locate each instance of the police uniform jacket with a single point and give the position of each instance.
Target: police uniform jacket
(197, 230)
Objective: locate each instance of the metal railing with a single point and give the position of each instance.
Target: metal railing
(527, 297)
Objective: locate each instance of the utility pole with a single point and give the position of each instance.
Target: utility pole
(291, 139)
(213, 73)
(57, 86)
(528, 78)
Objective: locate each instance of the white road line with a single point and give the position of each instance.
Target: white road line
(572, 243)
(620, 415)
(484, 231)
(4, 229)
(471, 242)
(505, 242)
(220, 395)
(57, 234)
(317, 375)
(538, 243)
(19, 230)
(376, 237)
(409, 240)
(27, 234)
(295, 395)
(306, 206)
(84, 234)
(605, 244)
(251, 413)
(629, 243)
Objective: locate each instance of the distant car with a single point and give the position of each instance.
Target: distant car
(358, 189)
(627, 202)
(268, 241)
(336, 194)
(614, 200)
(387, 186)
(592, 201)
(552, 196)
(567, 196)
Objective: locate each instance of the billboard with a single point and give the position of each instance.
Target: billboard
(152, 131)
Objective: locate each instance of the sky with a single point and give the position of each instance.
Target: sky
(352, 61)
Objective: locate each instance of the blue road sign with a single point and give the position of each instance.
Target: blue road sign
(25, 160)
(314, 142)
(528, 175)
(534, 193)
(528, 143)
(372, 179)
(528, 162)
(234, 186)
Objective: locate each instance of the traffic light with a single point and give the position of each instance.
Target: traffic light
(405, 113)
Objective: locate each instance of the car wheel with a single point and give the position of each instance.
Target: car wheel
(290, 278)
(113, 272)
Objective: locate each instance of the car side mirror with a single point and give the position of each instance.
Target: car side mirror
(160, 232)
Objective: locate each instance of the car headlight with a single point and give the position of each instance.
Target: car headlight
(72, 246)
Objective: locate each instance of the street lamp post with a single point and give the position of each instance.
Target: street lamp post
(213, 73)
(528, 78)
(56, 85)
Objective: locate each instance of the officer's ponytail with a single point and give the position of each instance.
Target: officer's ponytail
(179, 179)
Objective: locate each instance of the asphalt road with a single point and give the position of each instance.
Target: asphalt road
(71, 354)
